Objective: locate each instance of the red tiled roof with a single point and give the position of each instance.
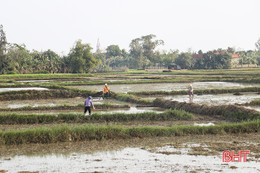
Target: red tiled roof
(235, 56)
(197, 56)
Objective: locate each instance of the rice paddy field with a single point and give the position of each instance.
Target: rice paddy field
(148, 124)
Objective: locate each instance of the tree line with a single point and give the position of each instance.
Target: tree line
(143, 53)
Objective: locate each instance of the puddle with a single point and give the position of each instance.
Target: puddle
(127, 160)
(20, 89)
(17, 105)
(124, 88)
(201, 124)
(133, 110)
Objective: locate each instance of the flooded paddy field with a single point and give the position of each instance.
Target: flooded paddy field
(191, 153)
(22, 89)
(198, 120)
(132, 109)
(172, 154)
(214, 99)
(34, 81)
(55, 102)
(124, 88)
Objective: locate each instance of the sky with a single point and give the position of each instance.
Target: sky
(181, 24)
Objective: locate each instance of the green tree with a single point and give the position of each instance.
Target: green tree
(112, 51)
(80, 58)
(136, 54)
(53, 61)
(230, 50)
(184, 60)
(101, 58)
(248, 57)
(222, 61)
(3, 58)
(142, 51)
(257, 45)
(20, 58)
(149, 46)
(200, 52)
(214, 60)
(258, 60)
(168, 58)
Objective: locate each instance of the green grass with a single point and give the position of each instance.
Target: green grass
(66, 133)
(45, 94)
(45, 76)
(64, 107)
(132, 99)
(168, 115)
(229, 112)
(197, 91)
(255, 102)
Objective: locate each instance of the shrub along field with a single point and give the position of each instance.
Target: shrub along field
(236, 118)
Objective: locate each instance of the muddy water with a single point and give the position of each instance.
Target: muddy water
(54, 102)
(20, 89)
(217, 99)
(133, 109)
(124, 88)
(75, 101)
(257, 108)
(41, 102)
(130, 110)
(34, 81)
(115, 79)
(160, 159)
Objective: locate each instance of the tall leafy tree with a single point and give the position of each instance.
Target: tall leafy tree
(20, 58)
(149, 46)
(257, 45)
(112, 51)
(81, 59)
(214, 60)
(142, 51)
(3, 50)
(168, 58)
(184, 60)
(54, 61)
(136, 54)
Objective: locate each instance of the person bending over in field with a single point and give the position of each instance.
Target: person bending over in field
(106, 91)
(88, 105)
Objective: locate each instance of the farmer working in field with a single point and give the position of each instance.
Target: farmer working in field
(88, 105)
(190, 90)
(106, 91)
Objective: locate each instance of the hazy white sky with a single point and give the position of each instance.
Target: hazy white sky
(182, 24)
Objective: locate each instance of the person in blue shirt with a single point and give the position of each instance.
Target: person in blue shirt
(88, 105)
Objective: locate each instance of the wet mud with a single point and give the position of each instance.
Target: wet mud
(55, 102)
(21, 89)
(175, 154)
(214, 99)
